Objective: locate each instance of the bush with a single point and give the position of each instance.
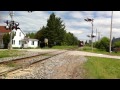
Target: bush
(116, 44)
(103, 44)
(96, 44)
(50, 45)
(42, 45)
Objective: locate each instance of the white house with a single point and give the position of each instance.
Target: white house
(19, 35)
(19, 39)
(27, 42)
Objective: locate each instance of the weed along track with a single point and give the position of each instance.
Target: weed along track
(16, 64)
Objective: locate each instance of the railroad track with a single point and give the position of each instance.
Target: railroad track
(28, 60)
(18, 59)
(28, 64)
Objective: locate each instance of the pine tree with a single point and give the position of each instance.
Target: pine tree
(55, 30)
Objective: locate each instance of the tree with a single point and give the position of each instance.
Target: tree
(6, 39)
(41, 34)
(103, 44)
(70, 39)
(55, 30)
(116, 44)
(31, 35)
(86, 42)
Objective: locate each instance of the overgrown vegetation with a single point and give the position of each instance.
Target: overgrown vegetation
(103, 44)
(116, 44)
(102, 68)
(9, 53)
(31, 35)
(64, 47)
(6, 39)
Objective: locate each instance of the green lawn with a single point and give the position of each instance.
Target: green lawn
(95, 50)
(64, 47)
(8, 53)
(102, 68)
(61, 47)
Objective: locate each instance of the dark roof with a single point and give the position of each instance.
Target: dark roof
(3, 29)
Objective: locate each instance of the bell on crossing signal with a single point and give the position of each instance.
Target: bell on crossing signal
(17, 24)
(7, 27)
(16, 27)
(93, 36)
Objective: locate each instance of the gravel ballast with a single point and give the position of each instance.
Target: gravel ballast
(63, 66)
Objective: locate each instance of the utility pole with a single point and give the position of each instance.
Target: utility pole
(99, 36)
(11, 25)
(111, 32)
(92, 36)
(91, 20)
(11, 13)
(96, 36)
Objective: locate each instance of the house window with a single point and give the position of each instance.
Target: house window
(20, 34)
(14, 41)
(19, 42)
(15, 33)
(32, 42)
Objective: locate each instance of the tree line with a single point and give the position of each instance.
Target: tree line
(55, 32)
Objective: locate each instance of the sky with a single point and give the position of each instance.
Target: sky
(73, 20)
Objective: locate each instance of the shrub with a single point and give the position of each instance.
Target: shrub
(116, 44)
(103, 44)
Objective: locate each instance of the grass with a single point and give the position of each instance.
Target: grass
(63, 47)
(102, 68)
(9, 53)
(95, 50)
(46, 54)
(11, 64)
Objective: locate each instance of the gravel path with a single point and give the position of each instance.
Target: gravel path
(63, 66)
(93, 54)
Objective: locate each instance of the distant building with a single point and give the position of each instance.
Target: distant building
(27, 42)
(18, 39)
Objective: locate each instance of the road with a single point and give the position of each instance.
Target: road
(83, 53)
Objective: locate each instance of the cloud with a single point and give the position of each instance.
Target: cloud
(74, 21)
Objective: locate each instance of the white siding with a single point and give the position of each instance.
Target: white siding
(33, 46)
(18, 38)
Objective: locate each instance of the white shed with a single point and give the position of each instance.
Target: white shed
(27, 42)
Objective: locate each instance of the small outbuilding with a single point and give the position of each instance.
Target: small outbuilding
(29, 43)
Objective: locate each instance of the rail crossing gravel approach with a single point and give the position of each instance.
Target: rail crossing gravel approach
(62, 66)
